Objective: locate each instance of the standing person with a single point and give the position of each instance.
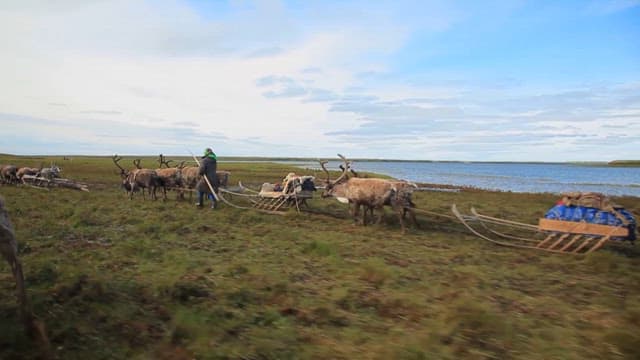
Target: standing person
(208, 167)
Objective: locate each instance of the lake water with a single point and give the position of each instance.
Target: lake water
(517, 177)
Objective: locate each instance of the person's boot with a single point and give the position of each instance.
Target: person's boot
(200, 199)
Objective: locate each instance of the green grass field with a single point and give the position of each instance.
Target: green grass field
(120, 279)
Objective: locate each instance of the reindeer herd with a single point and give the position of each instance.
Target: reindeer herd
(372, 194)
(11, 174)
(180, 178)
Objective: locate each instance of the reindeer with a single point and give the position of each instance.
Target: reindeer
(138, 178)
(223, 178)
(144, 179)
(8, 174)
(26, 171)
(50, 173)
(191, 176)
(170, 177)
(9, 250)
(403, 197)
(124, 174)
(368, 192)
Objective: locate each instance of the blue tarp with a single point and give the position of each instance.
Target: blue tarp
(593, 216)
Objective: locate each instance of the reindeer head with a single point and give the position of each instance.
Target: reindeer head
(55, 170)
(179, 170)
(329, 185)
(123, 172)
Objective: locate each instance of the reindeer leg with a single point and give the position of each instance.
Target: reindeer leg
(356, 212)
(380, 214)
(364, 215)
(413, 217)
(400, 214)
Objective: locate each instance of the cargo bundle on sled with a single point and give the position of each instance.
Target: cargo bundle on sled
(293, 192)
(579, 223)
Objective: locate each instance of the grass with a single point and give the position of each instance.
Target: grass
(114, 278)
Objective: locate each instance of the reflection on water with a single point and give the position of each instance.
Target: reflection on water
(520, 177)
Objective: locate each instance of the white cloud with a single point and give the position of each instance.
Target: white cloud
(90, 76)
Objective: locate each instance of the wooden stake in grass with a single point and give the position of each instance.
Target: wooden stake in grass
(9, 250)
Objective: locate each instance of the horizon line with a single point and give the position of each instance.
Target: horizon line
(302, 158)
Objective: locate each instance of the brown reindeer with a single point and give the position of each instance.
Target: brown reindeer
(141, 178)
(8, 174)
(223, 178)
(9, 250)
(138, 179)
(170, 177)
(403, 197)
(191, 176)
(26, 171)
(368, 192)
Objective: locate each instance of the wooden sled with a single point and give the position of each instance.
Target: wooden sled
(45, 183)
(557, 236)
(273, 202)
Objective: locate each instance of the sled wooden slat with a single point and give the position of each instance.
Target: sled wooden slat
(571, 242)
(560, 240)
(543, 242)
(581, 228)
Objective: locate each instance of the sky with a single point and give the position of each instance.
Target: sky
(508, 80)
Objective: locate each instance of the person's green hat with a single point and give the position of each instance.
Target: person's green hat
(209, 153)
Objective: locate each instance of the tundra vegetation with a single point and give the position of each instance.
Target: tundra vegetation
(114, 278)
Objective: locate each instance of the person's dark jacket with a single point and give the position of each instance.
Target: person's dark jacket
(208, 167)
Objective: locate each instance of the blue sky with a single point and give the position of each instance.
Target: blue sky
(440, 80)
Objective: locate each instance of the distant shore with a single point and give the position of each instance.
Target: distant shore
(625, 163)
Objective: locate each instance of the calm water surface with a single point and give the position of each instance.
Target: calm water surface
(521, 177)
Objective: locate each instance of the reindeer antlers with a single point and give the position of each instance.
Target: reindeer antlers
(116, 159)
(163, 161)
(322, 163)
(345, 168)
(136, 162)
